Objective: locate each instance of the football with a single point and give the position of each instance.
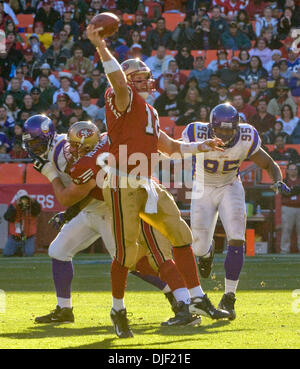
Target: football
(106, 23)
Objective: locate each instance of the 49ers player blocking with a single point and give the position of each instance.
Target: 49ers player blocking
(131, 194)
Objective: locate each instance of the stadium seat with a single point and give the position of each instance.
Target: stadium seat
(210, 55)
(186, 72)
(25, 22)
(172, 19)
(249, 177)
(128, 18)
(266, 179)
(178, 131)
(167, 125)
(12, 173)
(292, 146)
(195, 53)
(34, 177)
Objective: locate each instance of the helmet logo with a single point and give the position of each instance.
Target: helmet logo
(226, 125)
(85, 133)
(45, 127)
(125, 66)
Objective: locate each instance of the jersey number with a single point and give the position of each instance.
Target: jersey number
(152, 123)
(212, 166)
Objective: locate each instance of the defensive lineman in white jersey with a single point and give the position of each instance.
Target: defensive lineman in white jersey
(223, 193)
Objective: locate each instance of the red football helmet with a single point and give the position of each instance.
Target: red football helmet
(134, 69)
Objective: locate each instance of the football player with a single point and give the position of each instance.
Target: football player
(83, 222)
(223, 193)
(133, 129)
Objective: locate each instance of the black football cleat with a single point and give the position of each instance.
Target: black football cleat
(203, 306)
(205, 264)
(182, 317)
(227, 303)
(120, 322)
(59, 315)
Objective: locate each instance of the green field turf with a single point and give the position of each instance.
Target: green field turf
(264, 308)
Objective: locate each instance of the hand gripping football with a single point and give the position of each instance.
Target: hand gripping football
(106, 24)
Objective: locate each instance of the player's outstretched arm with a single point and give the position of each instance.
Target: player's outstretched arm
(264, 161)
(68, 196)
(112, 69)
(169, 146)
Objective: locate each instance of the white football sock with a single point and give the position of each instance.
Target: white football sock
(64, 303)
(166, 289)
(182, 294)
(196, 292)
(230, 286)
(118, 304)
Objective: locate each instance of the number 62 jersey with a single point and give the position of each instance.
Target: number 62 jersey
(222, 168)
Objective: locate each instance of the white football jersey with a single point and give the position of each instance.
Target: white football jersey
(222, 168)
(57, 157)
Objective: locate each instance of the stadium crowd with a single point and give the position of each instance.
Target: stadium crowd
(53, 68)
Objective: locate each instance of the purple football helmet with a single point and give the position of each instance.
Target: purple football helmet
(224, 117)
(38, 135)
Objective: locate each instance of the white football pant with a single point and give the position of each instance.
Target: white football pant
(229, 203)
(78, 234)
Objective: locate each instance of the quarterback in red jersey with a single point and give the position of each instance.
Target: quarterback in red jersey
(129, 191)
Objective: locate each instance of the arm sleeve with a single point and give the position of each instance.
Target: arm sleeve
(10, 214)
(35, 208)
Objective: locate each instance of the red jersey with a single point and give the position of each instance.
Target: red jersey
(86, 168)
(137, 129)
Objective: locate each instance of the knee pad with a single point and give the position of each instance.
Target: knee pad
(201, 242)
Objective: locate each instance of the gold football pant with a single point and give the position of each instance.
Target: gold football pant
(128, 208)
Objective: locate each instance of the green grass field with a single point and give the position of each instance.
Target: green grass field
(265, 304)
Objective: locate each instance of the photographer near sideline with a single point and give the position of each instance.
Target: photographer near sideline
(22, 217)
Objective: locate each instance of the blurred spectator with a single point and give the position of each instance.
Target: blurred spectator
(80, 9)
(29, 61)
(127, 6)
(262, 120)
(39, 105)
(28, 105)
(183, 34)
(159, 62)
(272, 40)
(98, 6)
(201, 73)
(294, 84)
(275, 76)
(285, 72)
(290, 209)
(160, 36)
(45, 71)
(15, 90)
(293, 60)
(80, 113)
(254, 71)
(96, 85)
(288, 120)
(167, 103)
(295, 11)
(152, 8)
(184, 58)
(276, 56)
(67, 19)
(45, 38)
(261, 50)
(232, 8)
(266, 21)
(17, 151)
(229, 75)
(245, 110)
(66, 41)
(135, 38)
(65, 83)
(263, 91)
(204, 114)
(174, 75)
(281, 153)
(204, 38)
(223, 94)
(211, 92)
(220, 62)
(91, 109)
(189, 108)
(80, 66)
(269, 137)
(241, 89)
(25, 84)
(255, 8)
(244, 59)
(56, 56)
(282, 98)
(235, 39)
(218, 23)
(12, 108)
(285, 23)
(22, 217)
(3, 152)
(47, 15)
(142, 25)
(4, 145)
(244, 24)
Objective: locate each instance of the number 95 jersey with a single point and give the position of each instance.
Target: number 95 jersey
(222, 168)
